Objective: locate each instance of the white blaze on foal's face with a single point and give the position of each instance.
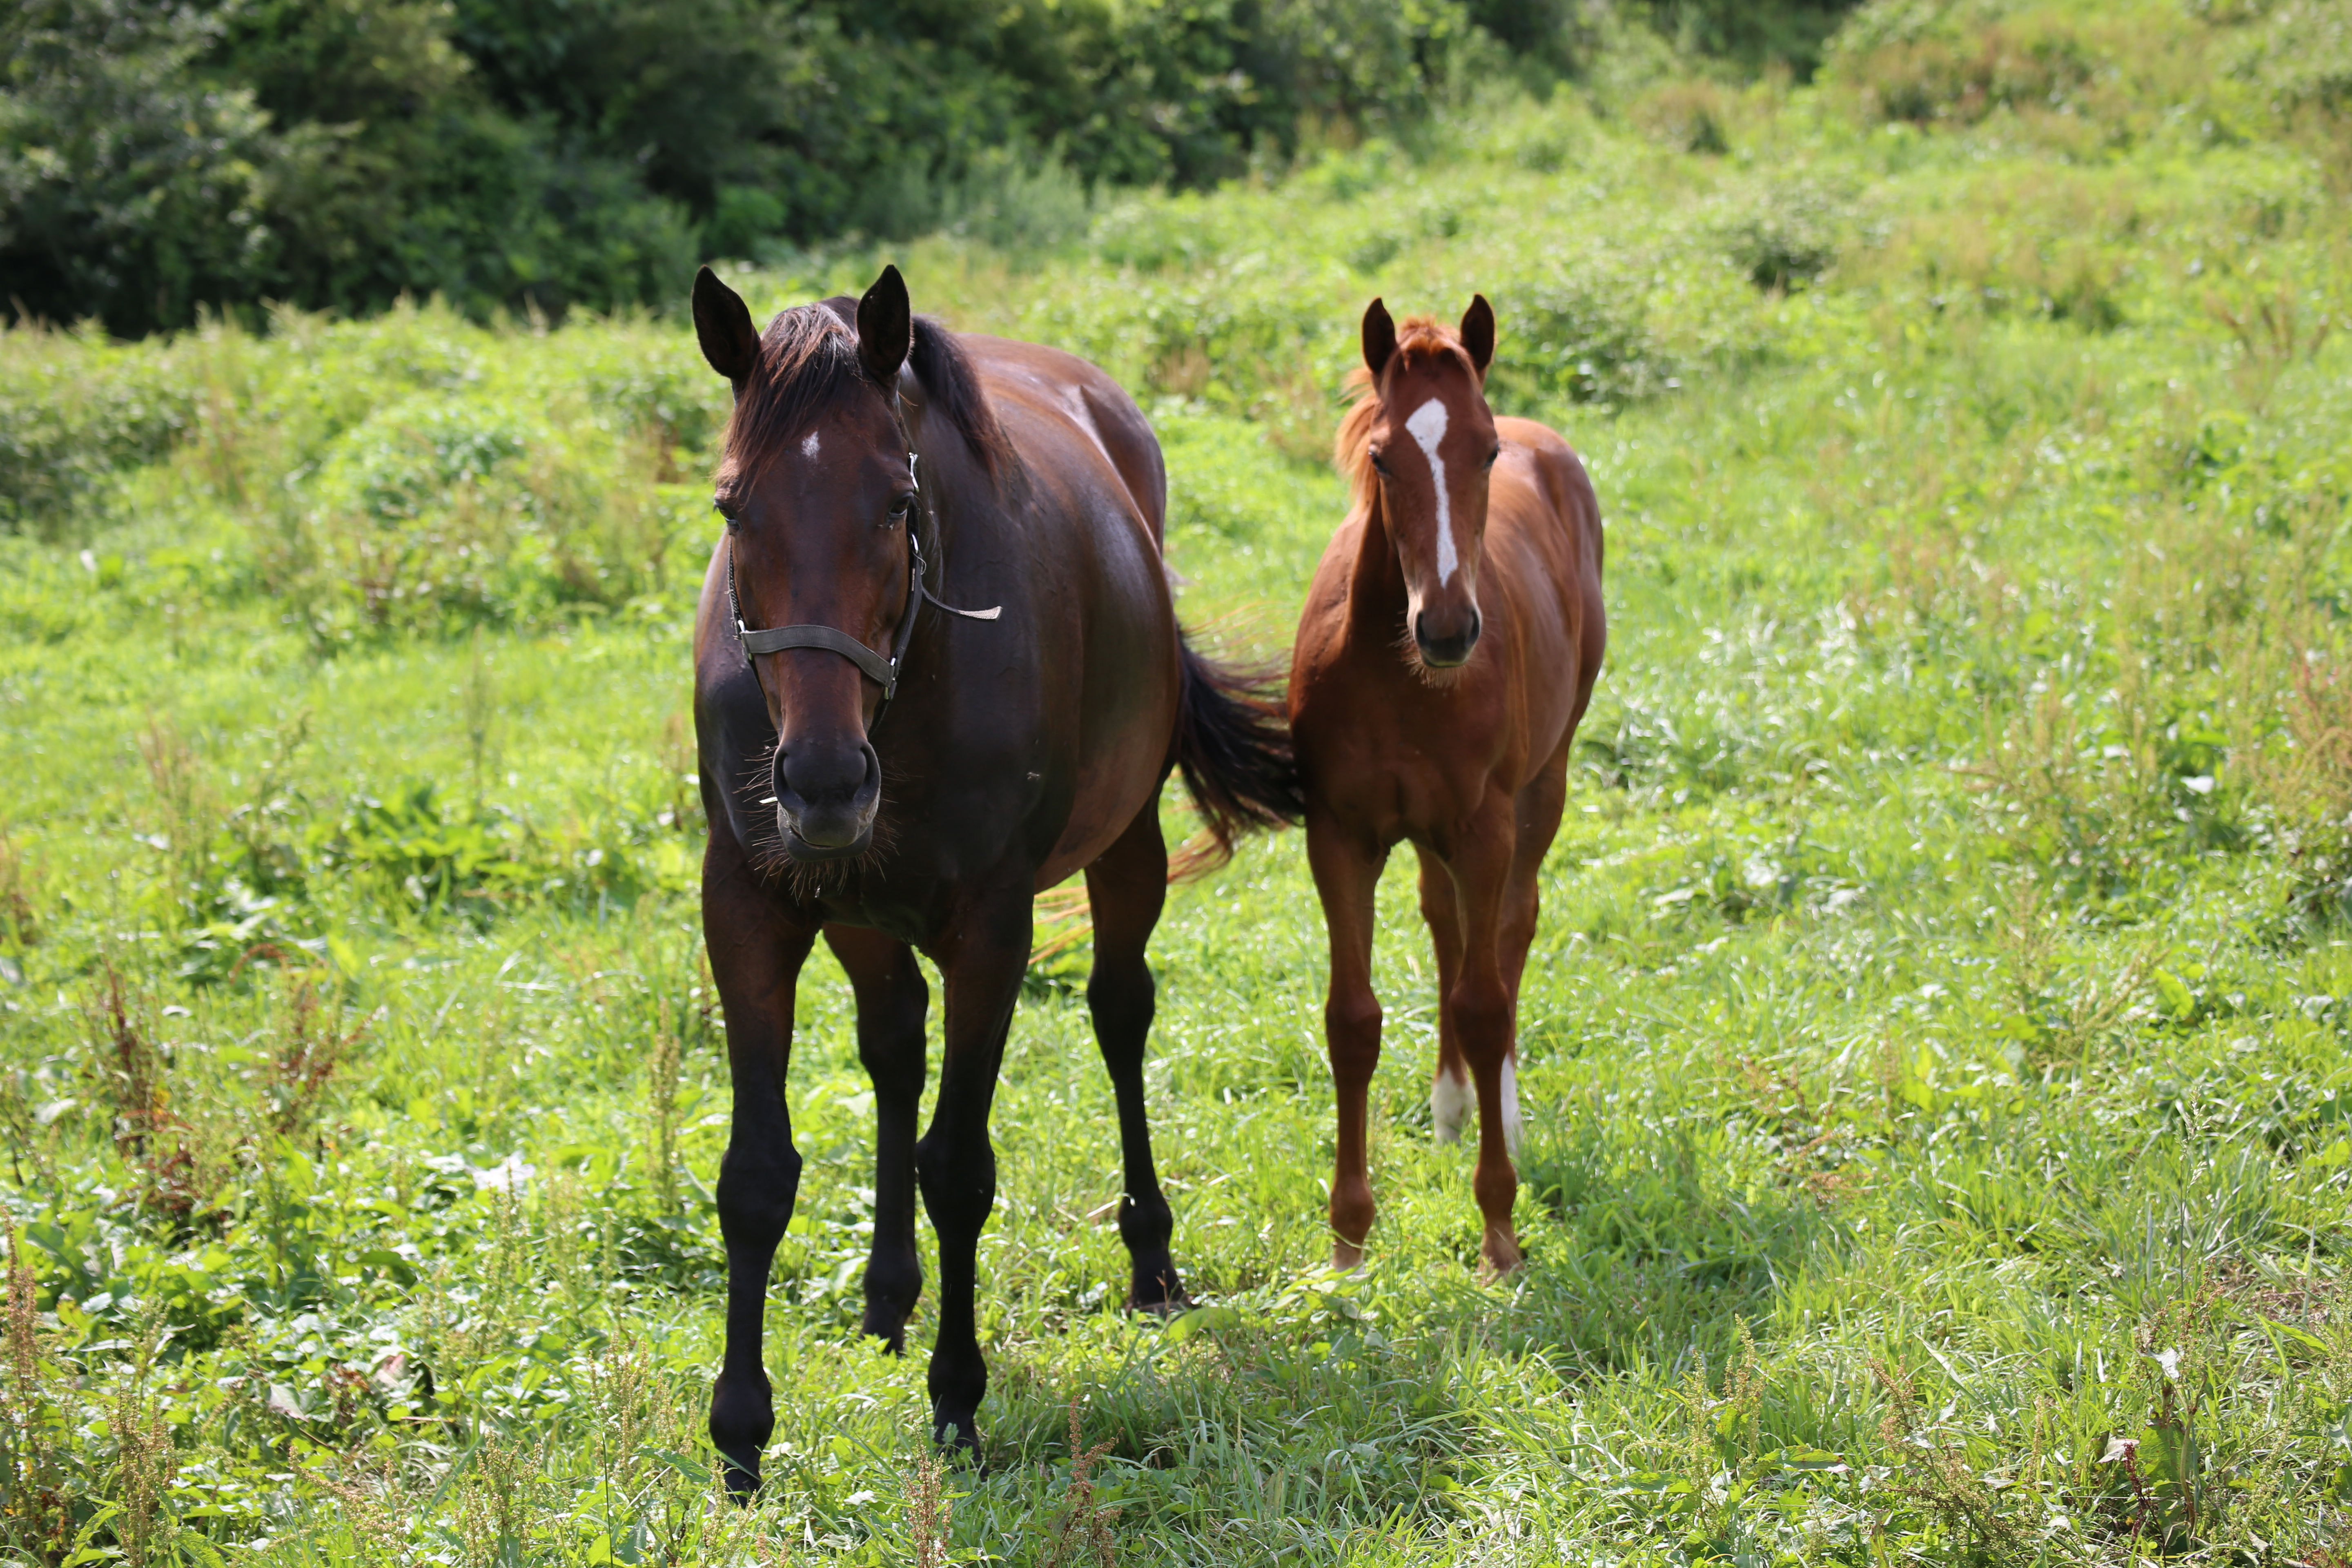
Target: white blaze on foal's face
(1427, 429)
(809, 446)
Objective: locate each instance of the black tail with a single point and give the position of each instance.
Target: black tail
(1233, 746)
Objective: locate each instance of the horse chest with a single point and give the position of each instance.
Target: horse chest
(1399, 771)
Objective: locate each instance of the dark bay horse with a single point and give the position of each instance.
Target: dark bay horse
(937, 669)
(1444, 657)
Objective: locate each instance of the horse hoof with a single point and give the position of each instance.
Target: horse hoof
(893, 1335)
(1161, 1294)
(1346, 1260)
(960, 1441)
(742, 1476)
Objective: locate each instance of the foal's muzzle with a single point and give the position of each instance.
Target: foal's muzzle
(1445, 640)
(826, 799)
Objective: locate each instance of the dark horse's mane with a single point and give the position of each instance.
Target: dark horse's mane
(808, 357)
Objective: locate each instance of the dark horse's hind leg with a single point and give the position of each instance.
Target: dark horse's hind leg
(1126, 886)
(982, 957)
(755, 957)
(891, 1002)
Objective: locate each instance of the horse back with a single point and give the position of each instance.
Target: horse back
(1066, 392)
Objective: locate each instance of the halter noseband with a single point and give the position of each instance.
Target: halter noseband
(882, 671)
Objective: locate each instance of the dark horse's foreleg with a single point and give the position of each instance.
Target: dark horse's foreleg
(1126, 887)
(982, 957)
(755, 957)
(891, 1002)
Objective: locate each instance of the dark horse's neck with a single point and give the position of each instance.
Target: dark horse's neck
(1375, 590)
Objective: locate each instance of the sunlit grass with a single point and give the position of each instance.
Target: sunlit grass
(1939, 1133)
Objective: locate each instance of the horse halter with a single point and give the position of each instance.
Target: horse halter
(883, 671)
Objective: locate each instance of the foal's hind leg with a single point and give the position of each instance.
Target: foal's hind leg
(1539, 806)
(891, 1002)
(1126, 886)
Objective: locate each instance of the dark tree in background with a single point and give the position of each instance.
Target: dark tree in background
(160, 159)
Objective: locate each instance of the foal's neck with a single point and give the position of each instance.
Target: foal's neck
(1375, 590)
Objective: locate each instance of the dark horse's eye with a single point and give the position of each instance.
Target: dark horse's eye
(726, 511)
(1379, 464)
(902, 507)
(1492, 455)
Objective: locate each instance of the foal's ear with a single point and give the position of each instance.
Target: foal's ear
(723, 323)
(886, 329)
(1379, 338)
(1478, 333)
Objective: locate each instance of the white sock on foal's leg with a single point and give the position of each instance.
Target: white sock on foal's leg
(1450, 1102)
(1511, 1104)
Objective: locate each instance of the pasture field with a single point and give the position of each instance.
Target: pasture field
(1939, 1118)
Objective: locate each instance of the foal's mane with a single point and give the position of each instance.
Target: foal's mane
(808, 357)
(1420, 336)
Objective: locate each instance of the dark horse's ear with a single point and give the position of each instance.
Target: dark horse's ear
(723, 323)
(1478, 333)
(1379, 338)
(886, 329)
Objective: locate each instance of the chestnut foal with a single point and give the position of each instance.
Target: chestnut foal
(1445, 655)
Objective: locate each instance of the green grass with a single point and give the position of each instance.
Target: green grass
(1938, 1119)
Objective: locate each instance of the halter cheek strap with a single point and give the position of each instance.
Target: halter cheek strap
(881, 670)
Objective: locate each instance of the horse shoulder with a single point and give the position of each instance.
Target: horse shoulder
(1323, 620)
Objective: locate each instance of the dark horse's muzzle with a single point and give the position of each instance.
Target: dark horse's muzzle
(826, 798)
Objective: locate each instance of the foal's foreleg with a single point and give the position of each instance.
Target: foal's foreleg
(755, 957)
(1484, 1018)
(891, 1002)
(1348, 877)
(981, 959)
(1126, 887)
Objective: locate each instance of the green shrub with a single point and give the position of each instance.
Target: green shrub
(435, 514)
(70, 419)
(1576, 335)
(129, 187)
(1792, 33)
(1786, 233)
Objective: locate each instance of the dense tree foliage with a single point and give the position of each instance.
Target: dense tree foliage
(157, 158)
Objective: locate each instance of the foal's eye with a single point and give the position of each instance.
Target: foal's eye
(1492, 455)
(1379, 464)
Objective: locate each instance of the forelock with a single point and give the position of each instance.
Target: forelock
(1423, 339)
(808, 359)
